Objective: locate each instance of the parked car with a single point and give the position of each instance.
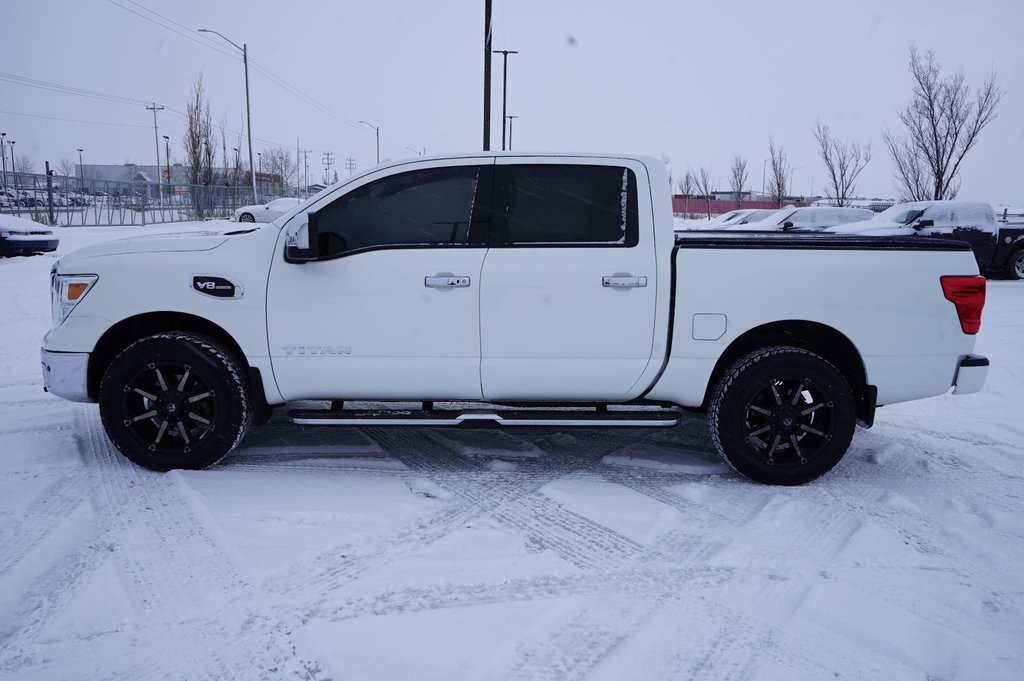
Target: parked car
(998, 247)
(265, 212)
(520, 284)
(19, 236)
(809, 218)
(734, 217)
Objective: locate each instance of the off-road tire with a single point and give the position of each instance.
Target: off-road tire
(1015, 265)
(188, 382)
(760, 396)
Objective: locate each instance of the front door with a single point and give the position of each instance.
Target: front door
(569, 283)
(391, 310)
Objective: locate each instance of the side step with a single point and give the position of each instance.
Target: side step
(502, 417)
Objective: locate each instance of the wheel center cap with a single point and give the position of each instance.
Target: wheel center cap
(787, 422)
(171, 408)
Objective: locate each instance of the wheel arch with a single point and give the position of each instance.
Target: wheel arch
(821, 339)
(127, 331)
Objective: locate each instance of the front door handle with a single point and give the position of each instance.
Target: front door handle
(446, 282)
(623, 281)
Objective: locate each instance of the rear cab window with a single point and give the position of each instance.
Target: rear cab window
(565, 205)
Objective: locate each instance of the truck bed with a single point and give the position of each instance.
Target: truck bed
(813, 240)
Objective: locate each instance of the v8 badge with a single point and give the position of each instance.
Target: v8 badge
(216, 286)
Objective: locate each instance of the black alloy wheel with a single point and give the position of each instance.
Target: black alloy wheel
(174, 400)
(782, 415)
(246, 217)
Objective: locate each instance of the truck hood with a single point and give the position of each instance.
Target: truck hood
(156, 243)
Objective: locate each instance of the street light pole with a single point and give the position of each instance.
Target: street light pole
(167, 158)
(504, 90)
(510, 121)
(14, 170)
(791, 171)
(764, 170)
(248, 111)
(376, 128)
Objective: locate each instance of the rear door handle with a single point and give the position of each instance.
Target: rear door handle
(623, 281)
(446, 282)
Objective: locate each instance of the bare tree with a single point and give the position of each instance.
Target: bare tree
(687, 186)
(66, 167)
(198, 144)
(738, 176)
(777, 171)
(705, 184)
(843, 161)
(26, 164)
(942, 124)
(277, 161)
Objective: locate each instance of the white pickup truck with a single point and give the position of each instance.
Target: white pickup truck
(520, 290)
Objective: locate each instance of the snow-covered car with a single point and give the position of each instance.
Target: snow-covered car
(267, 212)
(998, 247)
(806, 219)
(19, 236)
(733, 217)
(542, 289)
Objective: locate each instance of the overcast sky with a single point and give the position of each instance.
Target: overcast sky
(698, 82)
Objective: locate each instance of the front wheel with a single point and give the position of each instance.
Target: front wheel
(246, 217)
(1015, 267)
(174, 400)
(782, 416)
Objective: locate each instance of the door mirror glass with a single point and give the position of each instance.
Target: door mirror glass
(302, 243)
(924, 223)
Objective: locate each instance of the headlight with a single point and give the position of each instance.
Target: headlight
(66, 291)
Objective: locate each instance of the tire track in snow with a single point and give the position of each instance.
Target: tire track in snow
(51, 506)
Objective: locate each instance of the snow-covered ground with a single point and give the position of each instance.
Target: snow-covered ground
(376, 553)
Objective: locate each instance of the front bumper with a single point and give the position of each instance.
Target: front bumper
(970, 375)
(65, 374)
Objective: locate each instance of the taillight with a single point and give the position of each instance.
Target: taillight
(968, 294)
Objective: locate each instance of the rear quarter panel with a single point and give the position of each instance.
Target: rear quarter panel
(889, 303)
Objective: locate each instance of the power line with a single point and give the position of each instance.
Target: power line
(256, 66)
(72, 120)
(69, 89)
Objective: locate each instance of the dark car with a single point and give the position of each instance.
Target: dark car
(19, 236)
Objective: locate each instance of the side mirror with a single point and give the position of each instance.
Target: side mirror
(924, 223)
(302, 245)
(787, 226)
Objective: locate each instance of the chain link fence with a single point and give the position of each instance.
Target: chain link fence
(70, 201)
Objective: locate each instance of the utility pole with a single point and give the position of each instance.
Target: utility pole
(350, 165)
(156, 143)
(377, 128)
(248, 111)
(14, 170)
(305, 162)
(3, 157)
(504, 91)
(81, 171)
(328, 161)
(510, 120)
(296, 167)
(487, 75)
(49, 195)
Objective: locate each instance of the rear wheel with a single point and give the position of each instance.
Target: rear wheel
(174, 400)
(246, 217)
(1015, 266)
(782, 416)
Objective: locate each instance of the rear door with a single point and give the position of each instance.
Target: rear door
(569, 284)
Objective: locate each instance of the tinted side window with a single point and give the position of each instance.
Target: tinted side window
(431, 207)
(566, 205)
